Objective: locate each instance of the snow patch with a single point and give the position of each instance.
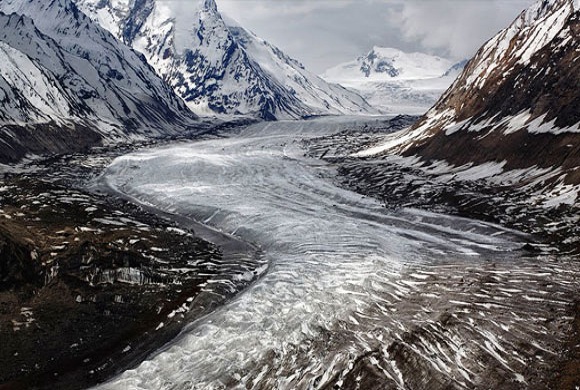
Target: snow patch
(404, 138)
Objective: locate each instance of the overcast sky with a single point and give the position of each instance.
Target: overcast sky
(324, 33)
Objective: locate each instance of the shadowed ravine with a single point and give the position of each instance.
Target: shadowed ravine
(355, 296)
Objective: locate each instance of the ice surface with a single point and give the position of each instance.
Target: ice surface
(340, 265)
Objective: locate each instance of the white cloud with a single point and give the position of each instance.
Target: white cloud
(455, 27)
(257, 9)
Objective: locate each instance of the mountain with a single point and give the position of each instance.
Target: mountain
(515, 108)
(66, 83)
(395, 81)
(217, 66)
(383, 64)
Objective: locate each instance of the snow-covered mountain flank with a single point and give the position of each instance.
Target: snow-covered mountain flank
(395, 81)
(66, 83)
(217, 66)
(515, 110)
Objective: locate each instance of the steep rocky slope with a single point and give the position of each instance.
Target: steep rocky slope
(217, 66)
(66, 84)
(90, 280)
(514, 112)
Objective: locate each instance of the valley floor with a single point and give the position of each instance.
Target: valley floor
(315, 286)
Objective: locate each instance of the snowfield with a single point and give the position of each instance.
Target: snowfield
(349, 284)
(395, 81)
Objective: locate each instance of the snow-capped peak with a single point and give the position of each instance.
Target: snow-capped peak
(223, 69)
(67, 84)
(100, 79)
(390, 64)
(397, 82)
(540, 10)
(210, 5)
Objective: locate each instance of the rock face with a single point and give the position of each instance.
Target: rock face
(515, 106)
(66, 83)
(217, 66)
(395, 81)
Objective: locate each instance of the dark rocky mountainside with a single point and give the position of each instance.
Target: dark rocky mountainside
(90, 284)
(81, 276)
(517, 101)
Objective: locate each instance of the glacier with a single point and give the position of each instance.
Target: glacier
(347, 279)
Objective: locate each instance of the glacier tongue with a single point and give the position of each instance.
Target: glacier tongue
(417, 294)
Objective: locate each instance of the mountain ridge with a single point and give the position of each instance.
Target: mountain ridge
(78, 78)
(514, 108)
(218, 67)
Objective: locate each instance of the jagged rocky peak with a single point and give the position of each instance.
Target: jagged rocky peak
(210, 5)
(141, 10)
(218, 67)
(379, 64)
(209, 33)
(123, 18)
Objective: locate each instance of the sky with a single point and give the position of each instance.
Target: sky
(325, 33)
